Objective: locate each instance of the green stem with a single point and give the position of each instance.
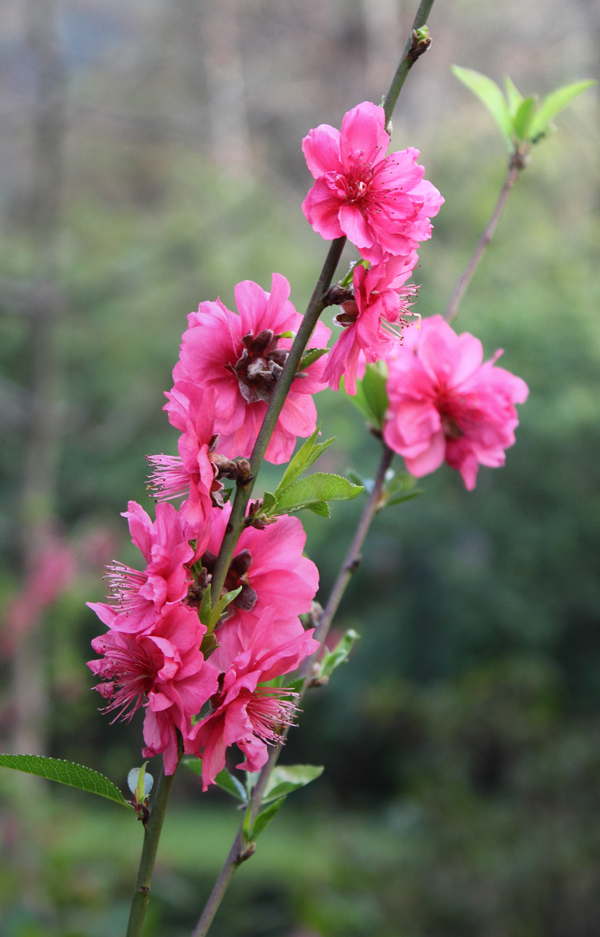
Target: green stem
(141, 894)
(517, 163)
(280, 392)
(411, 52)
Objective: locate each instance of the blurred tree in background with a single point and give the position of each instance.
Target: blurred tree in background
(462, 780)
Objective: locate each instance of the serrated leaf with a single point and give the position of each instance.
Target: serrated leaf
(205, 610)
(310, 356)
(555, 103)
(374, 388)
(490, 95)
(355, 477)
(65, 772)
(265, 816)
(524, 117)
(339, 655)
(269, 501)
(402, 481)
(229, 783)
(321, 486)
(360, 402)
(221, 605)
(513, 95)
(285, 779)
(400, 498)
(319, 507)
(224, 779)
(307, 454)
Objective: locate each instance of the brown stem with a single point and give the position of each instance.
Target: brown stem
(517, 163)
(239, 851)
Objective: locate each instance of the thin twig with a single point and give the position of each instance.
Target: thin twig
(239, 851)
(414, 48)
(141, 894)
(517, 163)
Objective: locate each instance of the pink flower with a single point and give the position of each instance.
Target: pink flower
(241, 357)
(382, 204)
(446, 404)
(269, 566)
(192, 473)
(140, 597)
(164, 672)
(247, 714)
(372, 319)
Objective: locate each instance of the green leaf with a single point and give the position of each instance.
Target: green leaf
(513, 94)
(310, 356)
(320, 507)
(320, 486)
(205, 610)
(269, 501)
(524, 117)
(264, 818)
(554, 104)
(307, 454)
(224, 779)
(400, 498)
(339, 655)
(374, 387)
(489, 94)
(221, 605)
(65, 772)
(288, 778)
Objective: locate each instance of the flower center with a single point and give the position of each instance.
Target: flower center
(357, 182)
(259, 365)
(237, 575)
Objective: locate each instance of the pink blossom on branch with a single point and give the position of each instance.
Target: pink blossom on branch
(140, 597)
(192, 474)
(164, 672)
(240, 356)
(269, 566)
(245, 713)
(381, 203)
(445, 404)
(372, 320)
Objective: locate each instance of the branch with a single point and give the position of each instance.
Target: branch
(280, 392)
(516, 165)
(239, 851)
(141, 894)
(416, 45)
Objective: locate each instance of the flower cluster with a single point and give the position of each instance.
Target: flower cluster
(204, 684)
(200, 692)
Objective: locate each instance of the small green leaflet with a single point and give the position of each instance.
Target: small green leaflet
(65, 772)
(521, 120)
(307, 454)
(339, 655)
(400, 488)
(552, 105)
(253, 830)
(371, 396)
(489, 94)
(288, 778)
(524, 117)
(314, 489)
(310, 356)
(224, 779)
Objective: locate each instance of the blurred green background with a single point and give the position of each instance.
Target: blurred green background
(461, 745)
